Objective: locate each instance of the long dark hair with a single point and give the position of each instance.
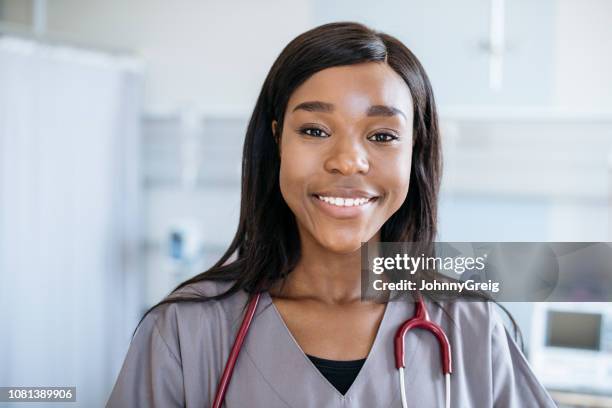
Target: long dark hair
(266, 243)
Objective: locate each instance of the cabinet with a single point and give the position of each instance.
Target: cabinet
(450, 39)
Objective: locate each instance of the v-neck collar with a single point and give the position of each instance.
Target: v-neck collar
(278, 357)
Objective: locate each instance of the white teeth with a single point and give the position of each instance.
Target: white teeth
(344, 202)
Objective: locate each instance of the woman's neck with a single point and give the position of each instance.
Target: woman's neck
(324, 276)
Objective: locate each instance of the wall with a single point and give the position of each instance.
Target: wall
(16, 11)
(583, 55)
(201, 52)
(206, 53)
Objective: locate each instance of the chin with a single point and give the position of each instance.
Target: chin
(342, 246)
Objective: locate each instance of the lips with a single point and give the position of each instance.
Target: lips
(346, 193)
(344, 203)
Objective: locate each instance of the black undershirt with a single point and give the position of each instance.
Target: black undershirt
(340, 374)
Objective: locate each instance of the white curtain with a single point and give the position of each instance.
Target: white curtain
(69, 216)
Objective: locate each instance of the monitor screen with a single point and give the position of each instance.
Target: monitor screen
(573, 330)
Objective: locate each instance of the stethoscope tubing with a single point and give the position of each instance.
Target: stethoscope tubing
(420, 320)
(235, 351)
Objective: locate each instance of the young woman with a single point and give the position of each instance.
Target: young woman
(342, 148)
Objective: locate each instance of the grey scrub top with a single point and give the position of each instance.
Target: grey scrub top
(178, 354)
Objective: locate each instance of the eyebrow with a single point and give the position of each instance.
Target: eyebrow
(374, 110)
(383, 110)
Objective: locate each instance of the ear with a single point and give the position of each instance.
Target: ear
(276, 134)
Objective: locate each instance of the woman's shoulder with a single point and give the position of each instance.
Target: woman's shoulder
(172, 336)
(179, 320)
(479, 319)
(206, 289)
(482, 343)
(199, 300)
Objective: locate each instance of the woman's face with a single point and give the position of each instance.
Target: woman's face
(346, 150)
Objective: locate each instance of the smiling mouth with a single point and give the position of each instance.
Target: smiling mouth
(346, 201)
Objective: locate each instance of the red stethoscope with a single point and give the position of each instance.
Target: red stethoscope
(420, 320)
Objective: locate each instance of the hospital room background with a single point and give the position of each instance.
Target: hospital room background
(121, 128)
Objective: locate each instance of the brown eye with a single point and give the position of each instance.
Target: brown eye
(383, 137)
(314, 132)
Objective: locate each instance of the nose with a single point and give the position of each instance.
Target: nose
(347, 157)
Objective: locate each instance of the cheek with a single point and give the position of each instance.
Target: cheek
(294, 172)
(396, 176)
(287, 182)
